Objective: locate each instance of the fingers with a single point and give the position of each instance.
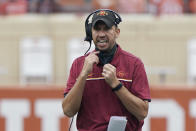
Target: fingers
(108, 70)
(92, 58)
(104, 73)
(96, 52)
(109, 74)
(109, 67)
(95, 56)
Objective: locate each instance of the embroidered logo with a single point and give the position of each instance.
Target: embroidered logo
(102, 13)
(121, 74)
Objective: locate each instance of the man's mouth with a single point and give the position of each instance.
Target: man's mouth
(102, 41)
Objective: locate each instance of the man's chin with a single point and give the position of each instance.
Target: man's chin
(103, 49)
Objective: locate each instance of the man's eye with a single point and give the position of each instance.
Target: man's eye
(106, 28)
(97, 28)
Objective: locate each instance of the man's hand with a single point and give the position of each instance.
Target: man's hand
(91, 59)
(109, 73)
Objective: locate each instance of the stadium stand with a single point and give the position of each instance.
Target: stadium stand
(160, 42)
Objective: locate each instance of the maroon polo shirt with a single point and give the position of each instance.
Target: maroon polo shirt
(99, 103)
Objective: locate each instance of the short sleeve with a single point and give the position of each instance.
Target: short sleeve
(140, 86)
(72, 77)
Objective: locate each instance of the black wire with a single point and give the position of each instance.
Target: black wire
(88, 48)
(71, 123)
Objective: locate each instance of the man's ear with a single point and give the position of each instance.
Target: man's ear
(117, 30)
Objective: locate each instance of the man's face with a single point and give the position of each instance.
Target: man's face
(104, 38)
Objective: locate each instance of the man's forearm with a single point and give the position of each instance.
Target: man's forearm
(133, 104)
(72, 101)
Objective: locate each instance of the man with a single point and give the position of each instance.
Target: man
(106, 82)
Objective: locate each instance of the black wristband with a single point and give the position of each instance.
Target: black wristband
(117, 87)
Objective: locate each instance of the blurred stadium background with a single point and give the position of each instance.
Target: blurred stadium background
(40, 38)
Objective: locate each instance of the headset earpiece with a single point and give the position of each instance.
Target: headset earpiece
(88, 33)
(117, 21)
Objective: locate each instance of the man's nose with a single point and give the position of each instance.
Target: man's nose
(101, 33)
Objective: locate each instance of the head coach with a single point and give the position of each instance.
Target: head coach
(107, 81)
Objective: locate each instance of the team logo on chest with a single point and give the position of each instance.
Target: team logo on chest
(121, 74)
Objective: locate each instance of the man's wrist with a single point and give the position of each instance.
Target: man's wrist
(115, 83)
(118, 87)
(84, 74)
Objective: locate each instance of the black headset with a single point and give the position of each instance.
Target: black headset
(88, 25)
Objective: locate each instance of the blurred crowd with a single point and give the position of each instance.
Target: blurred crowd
(155, 7)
